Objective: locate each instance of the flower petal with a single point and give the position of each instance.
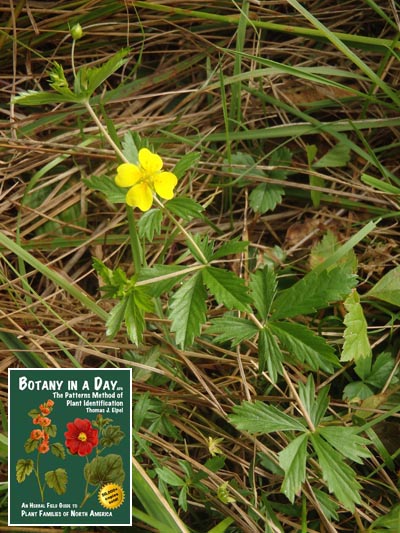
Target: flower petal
(150, 162)
(127, 175)
(140, 196)
(164, 184)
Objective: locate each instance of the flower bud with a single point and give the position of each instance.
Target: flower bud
(76, 32)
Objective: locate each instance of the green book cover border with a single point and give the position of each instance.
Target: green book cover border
(70, 447)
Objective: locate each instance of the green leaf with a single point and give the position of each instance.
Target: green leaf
(97, 75)
(315, 406)
(57, 480)
(381, 370)
(182, 498)
(257, 417)
(356, 343)
(105, 185)
(138, 302)
(162, 277)
(270, 356)
(328, 506)
(188, 310)
(227, 288)
(233, 247)
(24, 468)
(130, 147)
(30, 445)
(293, 461)
(185, 163)
(265, 197)
(34, 98)
(389, 521)
(169, 477)
(115, 318)
(280, 157)
(305, 346)
(346, 441)
(243, 160)
(340, 478)
(149, 224)
(111, 436)
(231, 328)
(388, 287)
(326, 248)
(311, 151)
(357, 389)
(58, 450)
(3, 446)
(105, 469)
(379, 184)
(338, 156)
(315, 290)
(263, 289)
(222, 526)
(185, 208)
(58, 81)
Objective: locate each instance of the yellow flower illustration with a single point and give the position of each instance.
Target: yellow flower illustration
(144, 179)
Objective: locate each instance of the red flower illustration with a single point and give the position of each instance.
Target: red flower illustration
(81, 437)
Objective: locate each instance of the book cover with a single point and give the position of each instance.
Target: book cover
(70, 447)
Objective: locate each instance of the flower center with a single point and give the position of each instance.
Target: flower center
(82, 436)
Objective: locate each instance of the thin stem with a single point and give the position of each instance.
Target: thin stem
(136, 247)
(182, 229)
(104, 131)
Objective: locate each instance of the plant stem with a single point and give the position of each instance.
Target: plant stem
(182, 229)
(104, 131)
(136, 248)
(38, 478)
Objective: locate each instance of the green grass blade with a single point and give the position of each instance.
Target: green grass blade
(340, 45)
(21, 350)
(154, 502)
(52, 275)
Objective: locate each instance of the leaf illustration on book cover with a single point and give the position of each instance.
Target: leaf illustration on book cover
(112, 435)
(24, 468)
(57, 480)
(107, 469)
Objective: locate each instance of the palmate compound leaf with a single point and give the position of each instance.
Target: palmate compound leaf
(57, 480)
(303, 345)
(340, 478)
(315, 290)
(228, 289)
(356, 343)
(188, 310)
(293, 461)
(257, 417)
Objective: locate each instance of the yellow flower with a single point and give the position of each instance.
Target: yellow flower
(144, 179)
